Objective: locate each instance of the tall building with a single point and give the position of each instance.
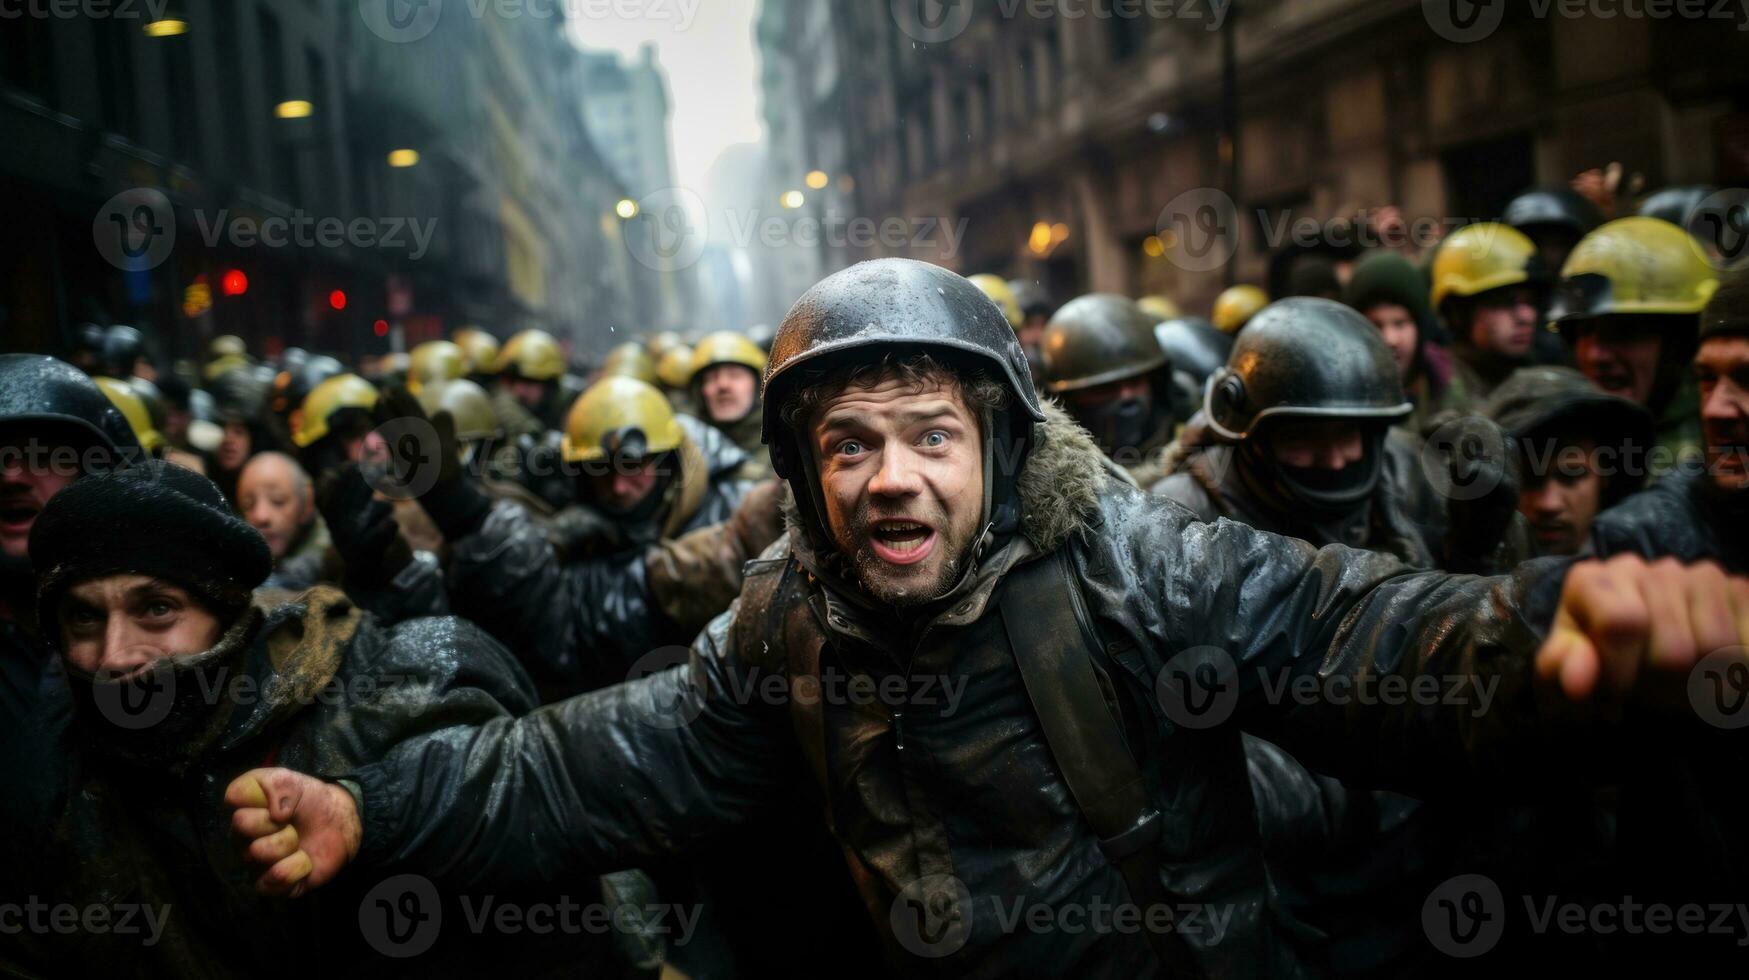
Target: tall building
(297, 173)
(627, 109)
(1096, 152)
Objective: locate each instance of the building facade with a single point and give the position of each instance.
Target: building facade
(1067, 135)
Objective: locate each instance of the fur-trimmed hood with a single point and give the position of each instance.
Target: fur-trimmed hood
(1059, 488)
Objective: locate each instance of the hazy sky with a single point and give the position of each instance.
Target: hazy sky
(706, 49)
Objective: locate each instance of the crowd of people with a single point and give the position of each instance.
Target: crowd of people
(848, 646)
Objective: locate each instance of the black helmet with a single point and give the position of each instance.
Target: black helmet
(35, 388)
(239, 395)
(1031, 297)
(1535, 404)
(316, 369)
(1304, 357)
(1194, 346)
(122, 347)
(1098, 339)
(864, 312)
(88, 339)
(1552, 206)
(1675, 204)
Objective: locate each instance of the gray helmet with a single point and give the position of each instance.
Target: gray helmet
(1194, 346)
(122, 347)
(886, 306)
(1304, 357)
(42, 391)
(1098, 339)
(1030, 296)
(1552, 206)
(1675, 204)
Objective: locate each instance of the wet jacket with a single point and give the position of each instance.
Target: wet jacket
(917, 783)
(582, 621)
(96, 815)
(1680, 516)
(745, 434)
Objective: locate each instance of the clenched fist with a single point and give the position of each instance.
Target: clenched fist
(1626, 626)
(303, 829)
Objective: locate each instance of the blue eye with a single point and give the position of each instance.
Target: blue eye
(849, 447)
(935, 439)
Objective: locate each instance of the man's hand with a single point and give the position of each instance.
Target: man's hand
(302, 829)
(1628, 626)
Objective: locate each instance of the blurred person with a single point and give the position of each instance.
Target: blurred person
(56, 426)
(675, 371)
(527, 399)
(1235, 307)
(1102, 359)
(946, 523)
(435, 361)
(1581, 450)
(87, 352)
(1196, 350)
(630, 360)
(276, 497)
(1159, 307)
(1391, 292)
(146, 580)
(1488, 287)
(1554, 218)
(123, 355)
(725, 385)
(133, 408)
(1629, 304)
(481, 350)
(240, 399)
(1036, 308)
(570, 595)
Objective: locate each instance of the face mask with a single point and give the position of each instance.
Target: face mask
(1126, 423)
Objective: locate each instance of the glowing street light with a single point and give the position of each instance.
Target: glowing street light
(403, 158)
(626, 208)
(818, 180)
(792, 199)
(294, 109)
(168, 27)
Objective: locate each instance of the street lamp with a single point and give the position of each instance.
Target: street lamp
(168, 27)
(792, 199)
(626, 208)
(817, 179)
(294, 109)
(403, 158)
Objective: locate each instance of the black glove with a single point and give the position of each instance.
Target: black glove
(425, 458)
(579, 532)
(363, 528)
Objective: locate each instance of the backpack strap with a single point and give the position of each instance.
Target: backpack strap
(1052, 640)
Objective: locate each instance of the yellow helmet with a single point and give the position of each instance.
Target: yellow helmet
(325, 401)
(662, 342)
(630, 360)
(226, 345)
(1635, 265)
(997, 289)
(480, 347)
(1480, 257)
(1236, 306)
(531, 354)
(133, 408)
(675, 367)
(467, 403)
(1159, 306)
(435, 360)
(224, 365)
(727, 347)
(608, 415)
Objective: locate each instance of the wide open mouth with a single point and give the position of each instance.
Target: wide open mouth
(902, 541)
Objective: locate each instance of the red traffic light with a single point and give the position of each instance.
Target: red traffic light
(234, 283)
(381, 327)
(337, 299)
